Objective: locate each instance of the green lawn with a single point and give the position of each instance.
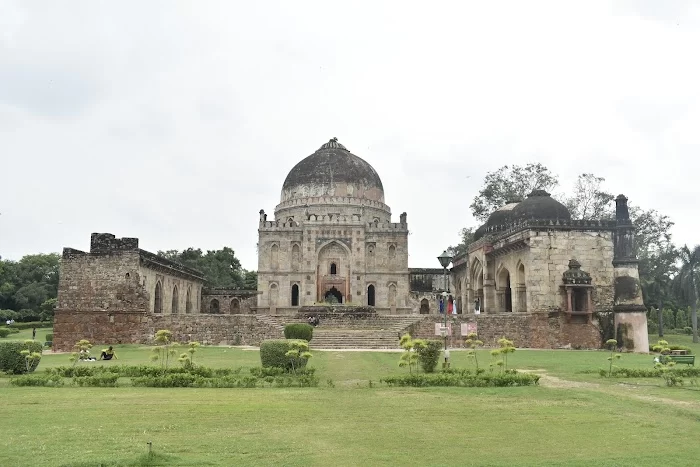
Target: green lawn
(582, 420)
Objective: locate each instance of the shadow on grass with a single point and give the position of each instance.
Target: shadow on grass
(151, 459)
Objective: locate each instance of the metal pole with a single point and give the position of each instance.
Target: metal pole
(444, 304)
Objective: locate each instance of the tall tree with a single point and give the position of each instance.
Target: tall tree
(589, 200)
(510, 184)
(466, 237)
(27, 283)
(687, 282)
(657, 255)
(221, 268)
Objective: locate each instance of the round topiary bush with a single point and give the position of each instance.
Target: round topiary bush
(11, 359)
(272, 354)
(4, 332)
(299, 331)
(429, 355)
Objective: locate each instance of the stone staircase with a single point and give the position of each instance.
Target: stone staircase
(380, 333)
(376, 332)
(273, 321)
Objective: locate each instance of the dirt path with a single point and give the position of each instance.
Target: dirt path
(622, 389)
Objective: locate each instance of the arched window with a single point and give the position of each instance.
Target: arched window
(392, 255)
(503, 291)
(296, 257)
(188, 302)
(370, 295)
(214, 306)
(235, 306)
(274, 256)
(127, 276)
(175, 301)
(392, 295)
(334, 269)
(158, 302)
(274, 293)
(295, 295)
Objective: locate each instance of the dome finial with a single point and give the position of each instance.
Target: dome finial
(333, 144)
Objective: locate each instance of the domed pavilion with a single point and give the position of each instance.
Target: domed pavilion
(332, 239)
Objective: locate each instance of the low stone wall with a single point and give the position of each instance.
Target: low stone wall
(139, 328)
(531, 330)
(97, 326)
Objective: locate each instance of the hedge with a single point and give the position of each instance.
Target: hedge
(272, 354)
(464, 379)
(299, 331)
(12, 361)
(32, 324)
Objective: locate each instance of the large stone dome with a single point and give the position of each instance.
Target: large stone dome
(541, 206)
(333, 171)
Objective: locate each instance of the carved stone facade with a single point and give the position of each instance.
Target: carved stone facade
(115, 290)
(332, 239)
(528, 258)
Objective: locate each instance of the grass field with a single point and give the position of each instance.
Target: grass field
(574, 417)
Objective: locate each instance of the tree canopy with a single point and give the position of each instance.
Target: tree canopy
(221, 268)
(27, 287)
(687, 282)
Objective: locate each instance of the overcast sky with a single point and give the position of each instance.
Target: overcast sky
(176, 122)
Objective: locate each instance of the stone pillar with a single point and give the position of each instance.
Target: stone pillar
(489, 305)
(630, 313)
(521, 301)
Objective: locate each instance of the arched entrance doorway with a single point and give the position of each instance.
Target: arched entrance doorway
(334, 296)
(424, 307)
(370, 295)
(295, 295)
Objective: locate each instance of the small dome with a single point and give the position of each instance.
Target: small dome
(540, 205)
(575, 275)
(502, 215)
(333, 171)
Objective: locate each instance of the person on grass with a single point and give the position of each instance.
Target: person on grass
(108, 354)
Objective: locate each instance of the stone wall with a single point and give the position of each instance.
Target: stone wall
(550, 253)
(90, 282)
(229, 301)
(139, 328)
(531, 330)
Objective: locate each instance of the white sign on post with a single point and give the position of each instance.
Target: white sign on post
(440, 328)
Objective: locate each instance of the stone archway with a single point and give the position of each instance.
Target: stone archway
(424, 307)
(333, 271)
(333, 296)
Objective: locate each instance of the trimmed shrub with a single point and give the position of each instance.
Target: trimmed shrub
(299, 331)
(37, 380)
(103, 380)
(49, 337)
(463, 379)
(4, 332)
(429, 355)
(272, 354)
(11, 359)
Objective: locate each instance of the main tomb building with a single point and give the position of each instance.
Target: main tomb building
(532, 274)
(332, 238)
